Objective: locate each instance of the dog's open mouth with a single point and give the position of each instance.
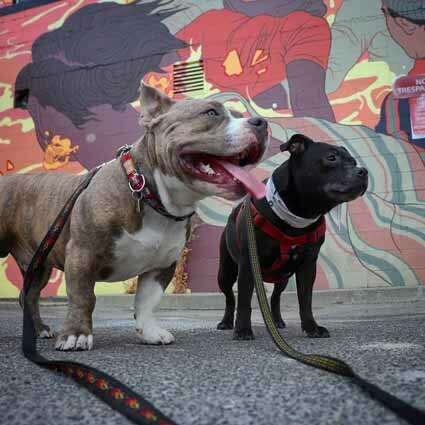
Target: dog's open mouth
(226, 171)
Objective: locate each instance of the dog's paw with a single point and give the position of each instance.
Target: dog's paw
(225, 325)
(45, 332)
(317, 332)
(243, 334)
(279, 322)
(152, 334)
(74, 342)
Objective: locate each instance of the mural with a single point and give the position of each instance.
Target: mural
(70, 70)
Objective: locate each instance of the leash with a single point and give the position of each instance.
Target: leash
(111, 391)
(409, 413)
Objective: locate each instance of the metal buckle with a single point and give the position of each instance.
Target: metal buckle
(137, 191)
(122, 149)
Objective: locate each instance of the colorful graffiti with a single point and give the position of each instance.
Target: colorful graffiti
(70, 70)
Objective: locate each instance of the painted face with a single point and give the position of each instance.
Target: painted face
(410, 36)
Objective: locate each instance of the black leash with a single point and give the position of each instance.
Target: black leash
(108, 389)
(409, 413)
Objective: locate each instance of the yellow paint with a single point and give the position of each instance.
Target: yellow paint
(42, 14)
(101, 288)
(331, 19)
(6, 99)
(258, 58)
(7, 289)
(4, 141)
(9, 55)
(27, 124)
(59, 22)
(31, 167)
(232, 64)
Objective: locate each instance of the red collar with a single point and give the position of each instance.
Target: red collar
(138, 186)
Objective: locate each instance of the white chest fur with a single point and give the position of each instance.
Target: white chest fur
(156, 246)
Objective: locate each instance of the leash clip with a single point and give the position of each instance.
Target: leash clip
(123, 149)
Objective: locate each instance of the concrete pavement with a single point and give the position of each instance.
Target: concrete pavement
(206, 378)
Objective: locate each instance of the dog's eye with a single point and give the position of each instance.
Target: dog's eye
(331, 157)
(212, 113)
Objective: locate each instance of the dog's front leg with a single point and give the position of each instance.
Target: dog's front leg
(150, 288)
(275, 303)
(77, 331)
(305, 280)
(243, 329)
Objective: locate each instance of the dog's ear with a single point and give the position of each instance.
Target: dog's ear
(296, 145)
(153, 102)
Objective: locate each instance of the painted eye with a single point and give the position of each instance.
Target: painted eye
(212, 113)
(332, 157)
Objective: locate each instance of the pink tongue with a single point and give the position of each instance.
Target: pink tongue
(250, 183)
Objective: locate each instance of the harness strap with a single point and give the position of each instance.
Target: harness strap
(275, 233)
(287, 242)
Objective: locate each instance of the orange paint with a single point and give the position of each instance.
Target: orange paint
(57, 153)
(9, 165)
(232, 64)
(259, 56)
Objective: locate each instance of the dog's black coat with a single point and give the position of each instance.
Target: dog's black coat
(316, 178)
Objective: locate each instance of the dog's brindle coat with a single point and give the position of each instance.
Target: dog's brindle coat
(106, 238)
(316, 178)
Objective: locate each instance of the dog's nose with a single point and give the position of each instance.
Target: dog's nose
(259, 123)
(362, 172)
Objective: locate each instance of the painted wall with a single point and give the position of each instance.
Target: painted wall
(322, 68)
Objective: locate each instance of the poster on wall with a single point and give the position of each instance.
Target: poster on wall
(412, 87)
(417, 116)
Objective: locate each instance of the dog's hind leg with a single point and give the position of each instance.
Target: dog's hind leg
(33, 300)
(227, 274)
(150, 288)
(275, 303)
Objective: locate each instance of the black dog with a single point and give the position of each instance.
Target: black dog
(290, 229)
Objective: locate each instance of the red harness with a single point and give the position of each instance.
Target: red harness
(286, 242)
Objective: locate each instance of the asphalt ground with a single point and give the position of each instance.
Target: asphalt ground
(207, 378)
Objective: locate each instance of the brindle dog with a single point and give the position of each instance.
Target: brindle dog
(190, 149)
